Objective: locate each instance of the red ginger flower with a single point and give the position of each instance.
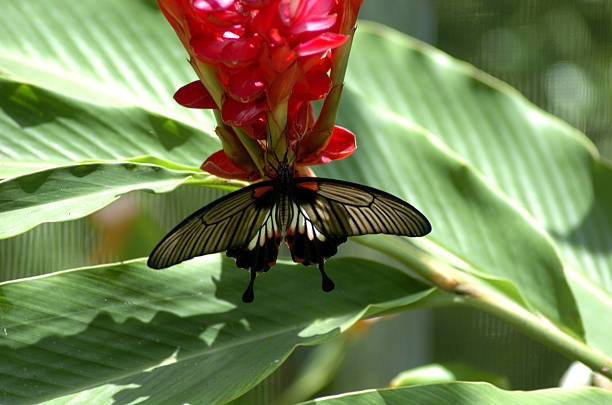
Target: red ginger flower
(262, 62)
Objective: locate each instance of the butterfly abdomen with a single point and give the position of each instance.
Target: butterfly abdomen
(284, 211)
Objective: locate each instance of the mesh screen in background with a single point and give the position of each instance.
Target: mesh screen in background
(126, 229)
(558, 53)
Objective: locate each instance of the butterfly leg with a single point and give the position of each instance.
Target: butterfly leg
(249, 295)
(327, 283)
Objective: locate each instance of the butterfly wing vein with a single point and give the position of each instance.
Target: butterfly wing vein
(346, 209)
(224, 224)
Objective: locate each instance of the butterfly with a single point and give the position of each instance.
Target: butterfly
(314, 215)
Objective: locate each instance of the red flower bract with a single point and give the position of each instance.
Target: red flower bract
(261, 62)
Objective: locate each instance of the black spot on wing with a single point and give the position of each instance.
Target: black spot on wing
(309, 244)
(260, 253)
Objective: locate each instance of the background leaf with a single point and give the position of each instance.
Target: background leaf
(182, 334)
(541, 165)
(87, 83)
(467, 393)
(70, 192)
(441, 373)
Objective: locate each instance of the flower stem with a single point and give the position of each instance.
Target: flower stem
(324, 126)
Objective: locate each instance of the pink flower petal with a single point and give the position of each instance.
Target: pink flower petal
(320, 44)
(294, 12)
(241, 50)
(318, 7)
(226, 18)
(314, 85)
(194, 95)
(314, 24)
(212, 5)
(280, 57)
(208, 48)
(341, 144)
(221, 166)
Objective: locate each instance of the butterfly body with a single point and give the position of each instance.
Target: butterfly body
(313, 215)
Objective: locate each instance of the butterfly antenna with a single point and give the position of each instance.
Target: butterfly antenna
(273, 152)
(286, 152)
(249, 295)
(295, 156)
(270, 149)
(326, 283)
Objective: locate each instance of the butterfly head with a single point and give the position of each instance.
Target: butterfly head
(281, 170)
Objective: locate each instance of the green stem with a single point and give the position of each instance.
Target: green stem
(252, 147)
(475, 293)
(216, 182)
(277, 123)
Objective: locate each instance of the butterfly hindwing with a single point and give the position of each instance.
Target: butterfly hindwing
(307, 242)
(260, 252)
(230, 222)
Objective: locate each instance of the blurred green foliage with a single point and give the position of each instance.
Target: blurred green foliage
(558, 53)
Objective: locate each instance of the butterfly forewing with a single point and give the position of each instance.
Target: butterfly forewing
(339, 208)
(229, 222)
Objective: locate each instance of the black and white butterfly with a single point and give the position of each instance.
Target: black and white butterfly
(314, 215)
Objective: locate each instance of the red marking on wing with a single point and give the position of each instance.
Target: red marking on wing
(311, 185)
(258, 192)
